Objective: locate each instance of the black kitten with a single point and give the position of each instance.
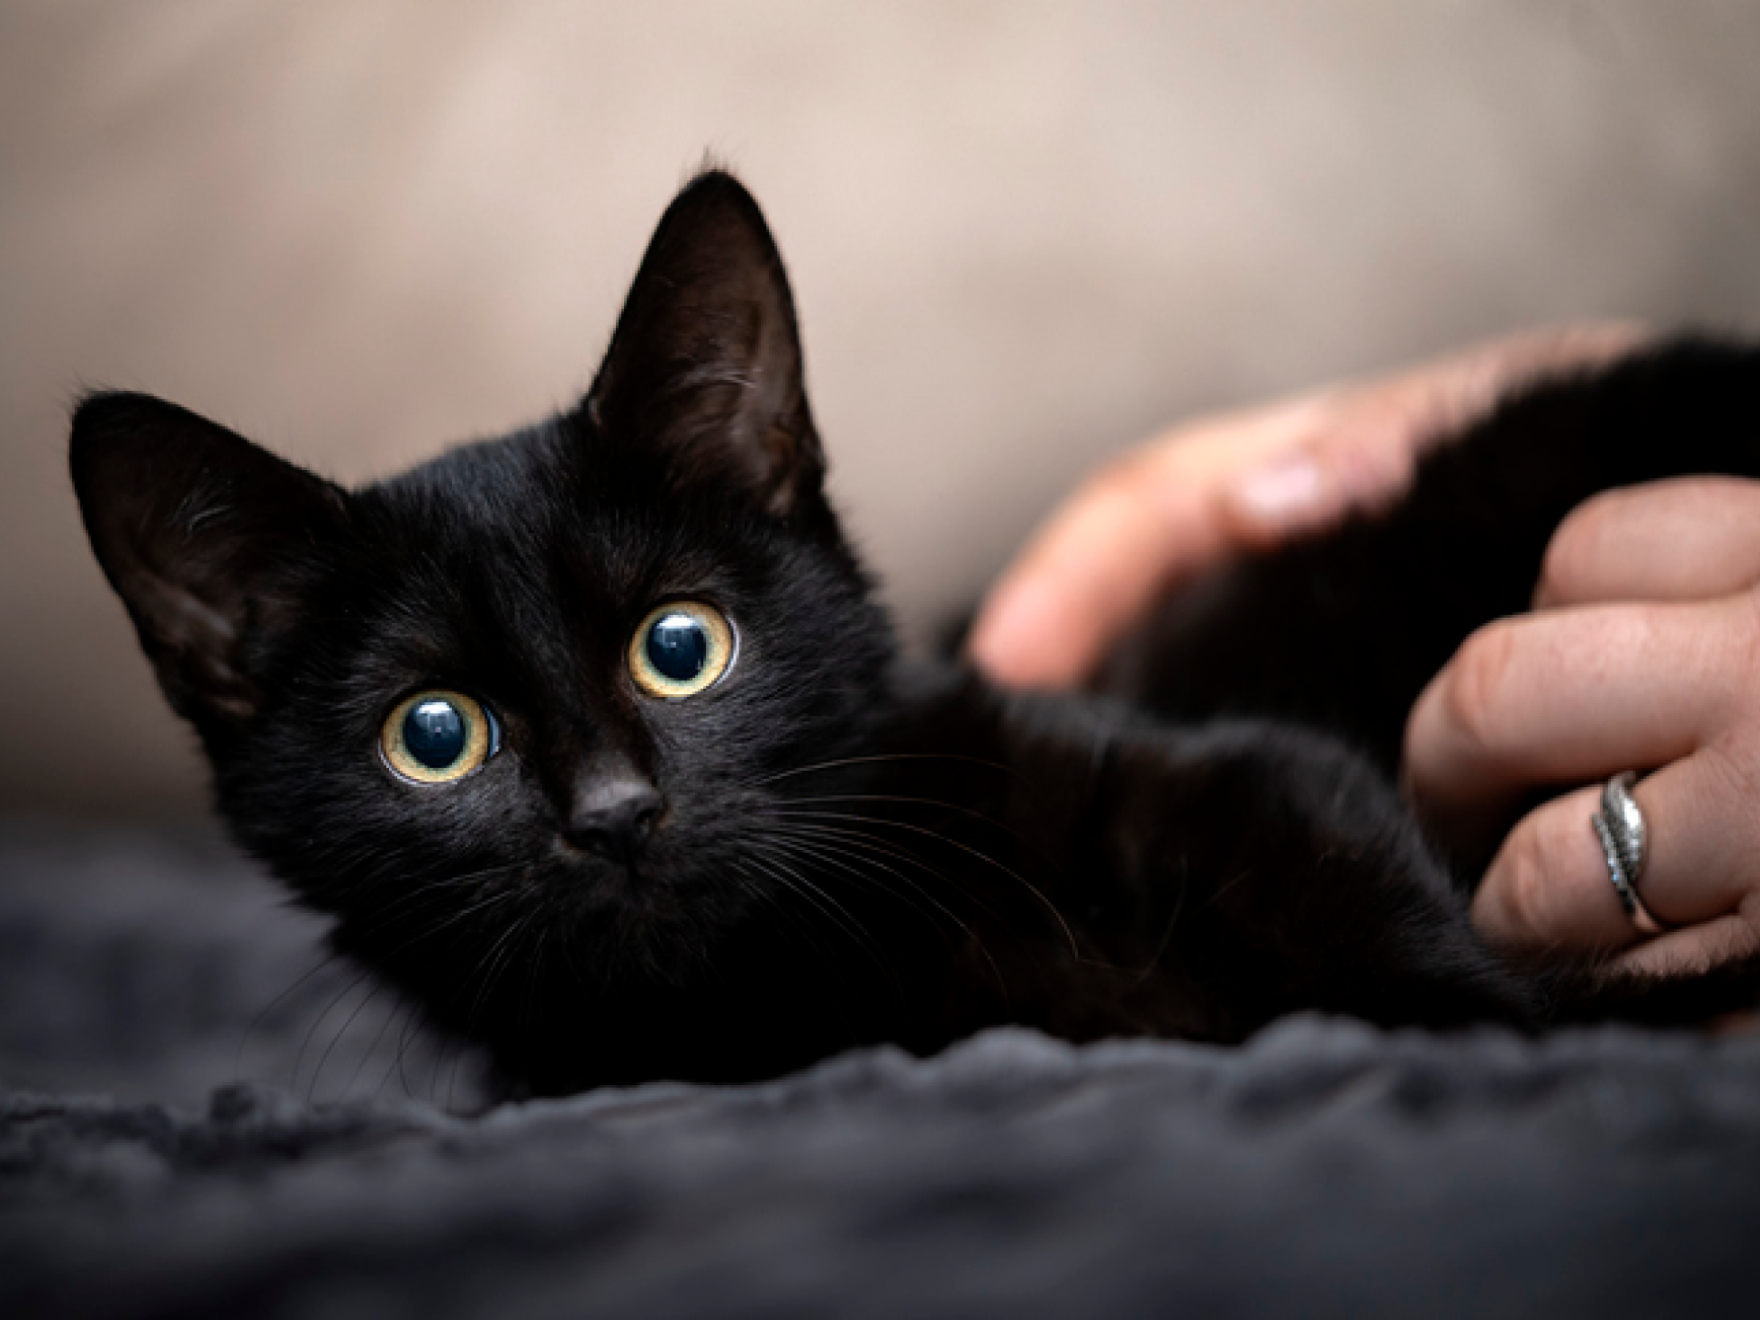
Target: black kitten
(594, 741)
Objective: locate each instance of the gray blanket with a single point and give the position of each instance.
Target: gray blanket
(1325, 1168)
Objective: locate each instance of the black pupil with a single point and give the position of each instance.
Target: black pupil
(678, 647)
(434, 733)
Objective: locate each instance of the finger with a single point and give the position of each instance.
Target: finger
(1690, 538)
(1548, 888)
(1699, 948)
(1701, 835)
(1562, 695)
(1175, 507)
(1124, 538)
(1549, 885)
(1096, 566)
(1364, 439)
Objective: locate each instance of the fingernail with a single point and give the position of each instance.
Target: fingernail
(1281, 492)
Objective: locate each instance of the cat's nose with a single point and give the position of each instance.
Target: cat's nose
(614, 818)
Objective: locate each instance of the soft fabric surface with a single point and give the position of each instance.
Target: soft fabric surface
(1323, 1169)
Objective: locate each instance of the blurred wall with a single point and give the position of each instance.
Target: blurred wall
(1022, 234)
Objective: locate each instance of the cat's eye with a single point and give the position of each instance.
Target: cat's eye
(436, 737)
(680, 649)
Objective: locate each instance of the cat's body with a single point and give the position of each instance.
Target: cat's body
(820, 845)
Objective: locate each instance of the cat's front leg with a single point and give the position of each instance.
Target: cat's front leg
(1135, 878)
(1266, 870)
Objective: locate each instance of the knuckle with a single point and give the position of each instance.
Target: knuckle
(1473, 698)
(1528, 872)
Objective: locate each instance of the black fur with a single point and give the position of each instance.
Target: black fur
(851, 848)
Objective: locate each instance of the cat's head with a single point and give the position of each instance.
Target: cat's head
(546, 686)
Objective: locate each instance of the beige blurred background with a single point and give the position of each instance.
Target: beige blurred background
(1021, 234)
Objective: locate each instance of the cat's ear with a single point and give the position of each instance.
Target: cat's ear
(706, 358)
(204, 536)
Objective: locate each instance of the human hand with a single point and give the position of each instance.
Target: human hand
(1194, 494)
(1640, 655)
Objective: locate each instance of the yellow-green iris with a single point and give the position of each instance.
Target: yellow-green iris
(681, 648)
(436, 737)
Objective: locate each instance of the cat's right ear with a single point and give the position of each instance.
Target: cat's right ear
(204, 536)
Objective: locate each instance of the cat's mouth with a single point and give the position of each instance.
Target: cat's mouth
(666, 891)
(587, 870)
(634, 885)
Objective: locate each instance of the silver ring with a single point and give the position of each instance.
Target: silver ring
(1620, 810)
(1625, 843)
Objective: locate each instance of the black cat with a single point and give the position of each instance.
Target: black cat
(594, 741)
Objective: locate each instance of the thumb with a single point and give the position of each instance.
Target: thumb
(1088, 574)
(1150, 520)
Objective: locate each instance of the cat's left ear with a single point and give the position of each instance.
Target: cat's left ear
(706, 358)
